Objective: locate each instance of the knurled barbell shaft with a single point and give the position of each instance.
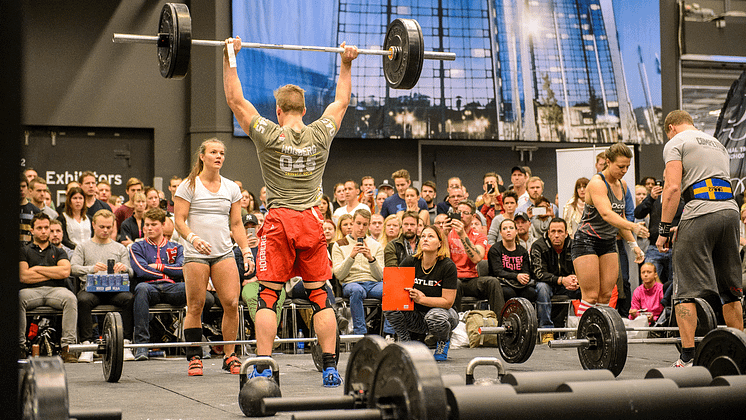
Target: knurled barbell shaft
(580, 342)
(502, 330)
(75, 348)
(153, 39)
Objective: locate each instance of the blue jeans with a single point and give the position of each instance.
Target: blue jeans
(358, 291)
(544, 293)
(661, 261)
(149, 294)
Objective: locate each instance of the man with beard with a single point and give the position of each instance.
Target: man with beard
(406, 244)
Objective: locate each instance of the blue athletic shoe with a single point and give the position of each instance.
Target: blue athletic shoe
(266, 373)
(441, 352)
(331, 378)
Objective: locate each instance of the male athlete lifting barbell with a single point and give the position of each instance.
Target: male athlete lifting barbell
(291, 242)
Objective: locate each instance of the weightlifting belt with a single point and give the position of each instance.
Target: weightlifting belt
(710, 189)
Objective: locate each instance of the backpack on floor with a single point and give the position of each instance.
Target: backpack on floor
(477, 319)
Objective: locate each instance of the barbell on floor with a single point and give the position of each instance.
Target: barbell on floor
(406, 384)
(403, 49)
(112, 345)
(602, 335)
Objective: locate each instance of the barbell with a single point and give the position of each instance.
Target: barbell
(602, 342)
(403, 49)
(112, 346)
(406, 384)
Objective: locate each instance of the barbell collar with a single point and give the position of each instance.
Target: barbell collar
(153, 39)
(336, 402)
(363, 414)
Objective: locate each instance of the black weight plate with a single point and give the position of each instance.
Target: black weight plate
(604, 327)
(517, 345)
(407, 381)
(723, 352)
(316, 353)
(403, 70)
(361, 363)
(44, 389)
(113, 337)
(173, 58)
(706, 321)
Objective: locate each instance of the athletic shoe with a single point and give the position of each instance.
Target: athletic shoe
(331, 378)
(141, 354)
(547, 337)
(266, 373)
(681, 364)
(128, 356)
(390, 339)
(441, 352)
(86, 356)
(232, 364)
(195, 366)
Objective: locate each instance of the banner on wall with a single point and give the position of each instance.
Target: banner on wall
(543, 70)
(731, 131)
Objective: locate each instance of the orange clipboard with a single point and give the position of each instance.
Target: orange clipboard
(395, 279)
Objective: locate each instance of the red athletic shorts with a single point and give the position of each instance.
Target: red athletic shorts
(292, 243)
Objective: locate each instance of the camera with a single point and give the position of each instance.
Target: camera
(490, 189)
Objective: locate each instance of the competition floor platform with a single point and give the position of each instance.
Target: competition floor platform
(160, 388)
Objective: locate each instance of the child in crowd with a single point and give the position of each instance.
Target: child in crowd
(646, 299)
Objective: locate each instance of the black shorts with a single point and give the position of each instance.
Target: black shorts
(584, 244)
(706, 259)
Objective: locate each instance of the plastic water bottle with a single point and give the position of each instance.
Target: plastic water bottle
(300, 346)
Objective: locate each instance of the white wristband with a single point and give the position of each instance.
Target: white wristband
(231, 55)
(190, 237)
(632, 244)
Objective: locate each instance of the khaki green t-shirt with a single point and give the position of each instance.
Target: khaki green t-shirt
(292, 163)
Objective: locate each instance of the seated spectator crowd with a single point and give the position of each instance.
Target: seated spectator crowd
(505, 242)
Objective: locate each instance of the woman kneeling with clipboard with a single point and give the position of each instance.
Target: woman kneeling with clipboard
(433, 293)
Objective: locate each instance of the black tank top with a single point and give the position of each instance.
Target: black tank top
(593, 224)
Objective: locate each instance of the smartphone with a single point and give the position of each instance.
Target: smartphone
(659, 183)
(539, 211)
(360, 242)
(250, 232)
(490, 189)
(455, 216)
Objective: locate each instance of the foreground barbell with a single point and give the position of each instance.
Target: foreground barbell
(403, 49)
(406, 384)
(602, 335)
(112, 346)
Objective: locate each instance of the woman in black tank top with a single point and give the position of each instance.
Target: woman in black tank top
(594, 250)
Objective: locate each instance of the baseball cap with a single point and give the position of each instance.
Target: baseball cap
(385, 184)
(523, 216)
(250, 218)
(518, 168)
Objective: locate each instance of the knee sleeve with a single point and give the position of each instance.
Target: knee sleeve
(267, 298)
(320, 298)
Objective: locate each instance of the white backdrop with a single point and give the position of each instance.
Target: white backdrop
(575, 163)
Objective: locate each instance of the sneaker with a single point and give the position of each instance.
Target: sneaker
(390, 339)
(141, 353)
(681, 364)
(232, 364)
(331, 378)
(86, 356)
(128, 356)
(266, 373)
(195, 366)
(68, 357)
(441, 352)
(547, 337)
